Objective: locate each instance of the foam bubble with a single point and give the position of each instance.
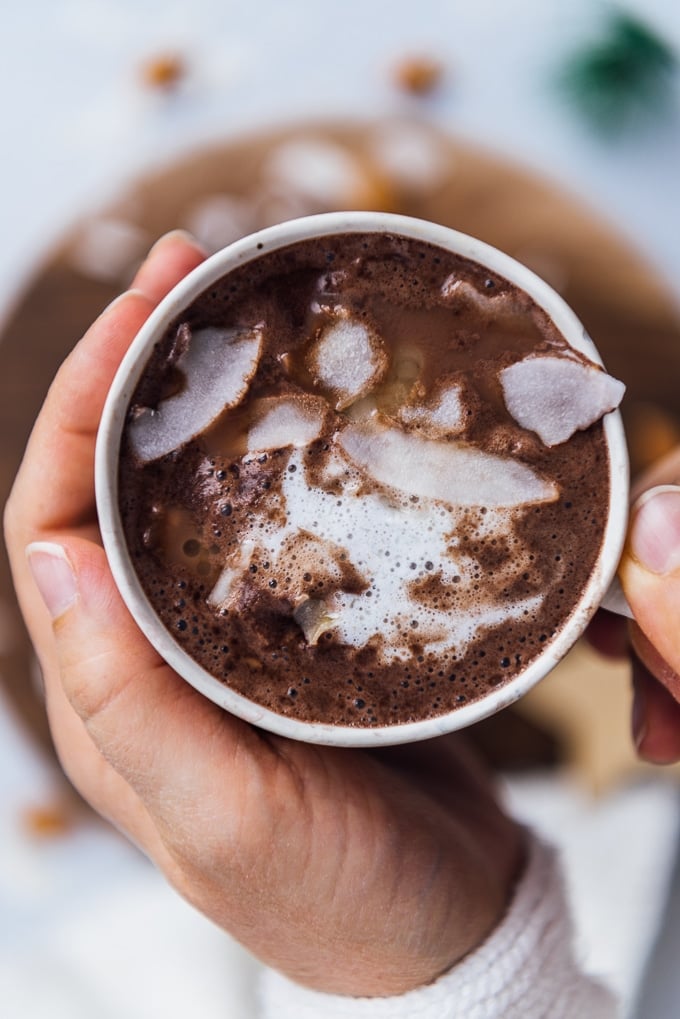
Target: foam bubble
(217, 365)
(558, 396)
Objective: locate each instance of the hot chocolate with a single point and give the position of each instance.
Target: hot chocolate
(360, 482)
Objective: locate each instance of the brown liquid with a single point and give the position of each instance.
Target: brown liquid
(187, 514)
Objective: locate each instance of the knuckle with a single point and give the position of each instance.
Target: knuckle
(89, 683)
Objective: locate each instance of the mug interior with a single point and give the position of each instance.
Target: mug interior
(113, 420)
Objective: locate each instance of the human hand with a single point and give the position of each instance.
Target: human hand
(353, 872)
(650, 576)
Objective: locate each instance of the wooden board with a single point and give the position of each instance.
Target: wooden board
(630, 315)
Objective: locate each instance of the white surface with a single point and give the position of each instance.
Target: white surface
(76, 121)
(86, 928)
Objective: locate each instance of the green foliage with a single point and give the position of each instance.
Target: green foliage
(624, 79)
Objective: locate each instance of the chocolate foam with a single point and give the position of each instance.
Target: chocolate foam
(372, 542)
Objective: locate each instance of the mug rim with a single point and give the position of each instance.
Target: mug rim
(112, 423)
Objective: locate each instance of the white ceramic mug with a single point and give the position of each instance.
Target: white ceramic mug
(113, 420)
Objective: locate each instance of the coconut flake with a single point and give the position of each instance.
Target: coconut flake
(347, 359)
(231, 576)
(455, 290)
(218, 366)
(442, 417)
(412, 155)
(314, 618)
(329, 292)
(318, 170)
(275, 203)
(454, 472)
(217, 220)
(286, 421)
(558, 396)
(109, 249)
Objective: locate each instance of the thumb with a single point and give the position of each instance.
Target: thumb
(650, 571)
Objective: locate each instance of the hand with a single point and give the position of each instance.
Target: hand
(650, 575)
(361, 873)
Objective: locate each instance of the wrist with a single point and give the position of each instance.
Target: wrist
(424, 938)
(525, 968)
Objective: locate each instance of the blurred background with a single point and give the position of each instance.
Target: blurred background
(551, 130)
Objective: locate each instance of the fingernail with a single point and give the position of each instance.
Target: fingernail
(655, 529)
(176, 235)
(53, 575)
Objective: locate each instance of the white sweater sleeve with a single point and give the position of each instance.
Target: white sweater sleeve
(525, 970)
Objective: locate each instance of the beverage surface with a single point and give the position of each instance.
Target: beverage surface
(325, 494)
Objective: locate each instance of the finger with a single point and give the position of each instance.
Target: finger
(646, 653)
(608, 634)
(55, 486)
(650, 570)
(91, 774)
(656, 718)
(152, 728)
(96, 780)
(650, 574)
(169, 261)
(665, 471)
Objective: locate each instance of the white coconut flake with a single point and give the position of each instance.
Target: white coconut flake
(455, 290)
(109, 249)
(329, 292)
(348, 359)
(286, 421)
(444, 416)
(218, 366)
(453, 472)
(321, 171)
(314, 617)
(274, 203)
(558, 396)
(231, 576)
(217, 220)
(412, 155)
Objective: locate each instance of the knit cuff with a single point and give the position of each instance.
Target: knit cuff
(524, 970)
